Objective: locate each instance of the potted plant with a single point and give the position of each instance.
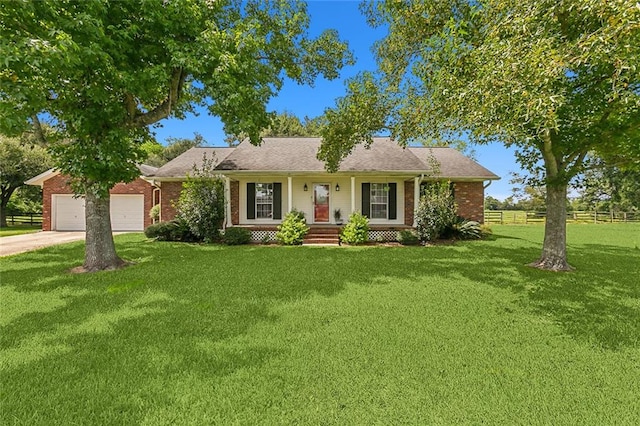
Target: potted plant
(337, 215)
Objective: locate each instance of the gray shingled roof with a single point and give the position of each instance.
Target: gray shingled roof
(183, 164)
(146, 170)
(451, 163)
(299, 155)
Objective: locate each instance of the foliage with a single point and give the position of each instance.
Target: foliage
(356, 230)
(609, 188)
(292, 229)
(236, 235)
(284, 124)
(408, 238)
(20, 160)
(467, 230)
(174, 148)
(154, 212)
(201, 202)
(26, 199)
(436, 211)
(103, 72)
(175, 230)
(557, 80)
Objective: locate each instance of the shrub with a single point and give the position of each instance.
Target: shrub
(469, 230)
(160, 231)
(176, 230)
(356, 231)
(154, 213)
(436, 211)
(293, 229)
(236, 236)
(201, 202)
(408, 238)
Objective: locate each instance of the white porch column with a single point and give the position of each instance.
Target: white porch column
(289, 193)
(353, 194)
(227, 203)
(416, 198)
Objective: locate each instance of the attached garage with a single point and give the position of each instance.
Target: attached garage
(130, 203)
(127, 213)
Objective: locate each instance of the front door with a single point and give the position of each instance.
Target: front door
(321, 202)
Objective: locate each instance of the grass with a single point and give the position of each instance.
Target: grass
(19, 230)
(326, 335)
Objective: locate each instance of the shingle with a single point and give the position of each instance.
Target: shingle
(299, 155)
(451, 163)
(146, 170)
(183, 164)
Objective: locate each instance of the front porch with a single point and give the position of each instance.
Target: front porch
(327, 234)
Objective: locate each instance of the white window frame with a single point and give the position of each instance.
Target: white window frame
(262, 202)
(373, 187)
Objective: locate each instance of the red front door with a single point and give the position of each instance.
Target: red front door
(321, 202)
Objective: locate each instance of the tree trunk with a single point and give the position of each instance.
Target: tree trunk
(100, 251)
(554, 248)
(4, 201)
(3, 215)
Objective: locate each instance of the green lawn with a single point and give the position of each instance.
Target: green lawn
(453, 334)
(19, 229)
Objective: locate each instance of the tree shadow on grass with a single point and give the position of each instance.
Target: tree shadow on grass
(183, 310)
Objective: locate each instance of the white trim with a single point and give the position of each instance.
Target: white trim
(39, 180)
(416, 198)
(227, 202)
(289, 194)
(353, 194)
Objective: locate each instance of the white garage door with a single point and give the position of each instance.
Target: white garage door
(127, 213)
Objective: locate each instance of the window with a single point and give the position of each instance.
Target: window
(264, 200)
(379, 200)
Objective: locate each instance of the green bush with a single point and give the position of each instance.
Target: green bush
(175, 230)
(201, 202)
(236, 236)
(293, 229)
(160, 231)
(356, 231)
(408, 238)
(436, 211)
(154, 213)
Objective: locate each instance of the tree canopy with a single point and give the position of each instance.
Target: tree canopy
(103, 72)
(20, 160)
(557, 79)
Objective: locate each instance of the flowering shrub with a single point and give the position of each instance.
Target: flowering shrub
(436, 211)
(201, 202)
(356, 231)
(293, 229)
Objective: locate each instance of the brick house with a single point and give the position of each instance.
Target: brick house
(263, 183)
(62, 211)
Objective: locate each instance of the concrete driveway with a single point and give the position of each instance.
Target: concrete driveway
(27, 242)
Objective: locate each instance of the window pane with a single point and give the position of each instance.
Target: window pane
(264, 200)
(379, 200)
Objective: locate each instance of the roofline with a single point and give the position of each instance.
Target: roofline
(42, 177)
(341, 174)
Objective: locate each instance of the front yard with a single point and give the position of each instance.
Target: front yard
(326, 335)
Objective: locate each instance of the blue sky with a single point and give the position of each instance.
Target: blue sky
(345, 17)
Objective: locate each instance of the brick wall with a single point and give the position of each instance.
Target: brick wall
(234, 194)
(169, 194)
(470, 199)
(408, 203)
(59, 185)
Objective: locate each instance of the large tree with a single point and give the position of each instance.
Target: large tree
(20, 159)
(103, 72)
(558, 79)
